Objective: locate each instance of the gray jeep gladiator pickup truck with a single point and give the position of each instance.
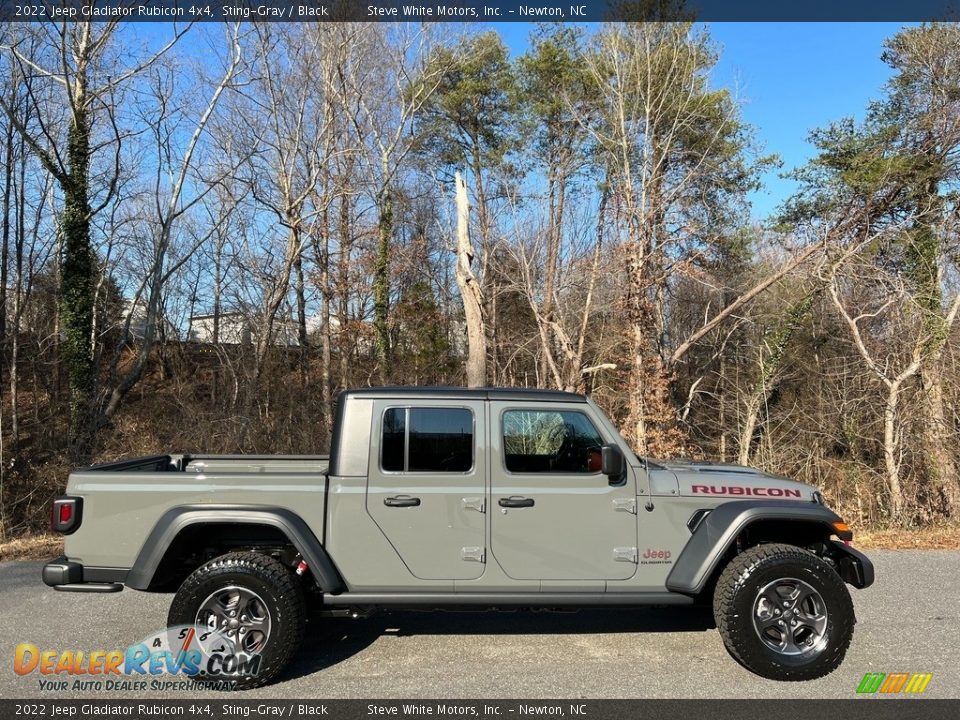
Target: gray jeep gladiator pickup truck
(441, 498)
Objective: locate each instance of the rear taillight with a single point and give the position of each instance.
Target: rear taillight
(65, 514)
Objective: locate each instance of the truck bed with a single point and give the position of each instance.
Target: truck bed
(124, 500)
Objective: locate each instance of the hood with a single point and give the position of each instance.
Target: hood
(719, 480)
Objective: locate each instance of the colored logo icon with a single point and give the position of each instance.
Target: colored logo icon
(893, 683)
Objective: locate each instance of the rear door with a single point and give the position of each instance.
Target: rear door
(426, 485)
(553, 514)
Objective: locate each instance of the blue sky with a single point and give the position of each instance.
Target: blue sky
(794, 77)
(791, 78)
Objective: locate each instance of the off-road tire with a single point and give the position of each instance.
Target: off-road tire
(734, 602)
(272, 581)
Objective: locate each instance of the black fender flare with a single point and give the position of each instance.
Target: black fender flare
(176, 519)
(718, 530)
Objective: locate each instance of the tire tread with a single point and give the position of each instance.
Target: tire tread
(735, 635)
(288, 633)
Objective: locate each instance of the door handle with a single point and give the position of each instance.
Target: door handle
(401, 501)
(515, 501)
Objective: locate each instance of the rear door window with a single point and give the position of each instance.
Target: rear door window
(427, 440)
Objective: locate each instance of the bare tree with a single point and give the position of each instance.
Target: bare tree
(170, 185)
(387, 95)
(470, 292)
(894, 354)
(563, 320)
(81, 60)
(665, 136)
(289, 144)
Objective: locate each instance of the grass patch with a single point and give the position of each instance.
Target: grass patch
(32, 547)
(936, 537)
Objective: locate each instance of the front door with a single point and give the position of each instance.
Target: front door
(553, 514)
(426, 486)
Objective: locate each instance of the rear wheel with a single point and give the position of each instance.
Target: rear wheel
(253, 606)
(783, 613)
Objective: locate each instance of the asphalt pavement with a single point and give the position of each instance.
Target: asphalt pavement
(909, 621)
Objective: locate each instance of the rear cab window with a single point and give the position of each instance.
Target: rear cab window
(427, 439)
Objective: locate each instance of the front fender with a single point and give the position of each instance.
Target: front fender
(719, 529)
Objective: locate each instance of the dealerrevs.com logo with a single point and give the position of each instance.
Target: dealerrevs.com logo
(177, 658)
(894, 683)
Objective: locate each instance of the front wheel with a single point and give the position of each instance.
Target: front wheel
(783, 613)
(248, 613)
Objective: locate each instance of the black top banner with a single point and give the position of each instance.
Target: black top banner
(489, 11)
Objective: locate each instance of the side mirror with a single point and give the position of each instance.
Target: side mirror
(613, 464)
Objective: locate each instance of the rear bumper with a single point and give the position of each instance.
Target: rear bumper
(854, 567)
(67, 575)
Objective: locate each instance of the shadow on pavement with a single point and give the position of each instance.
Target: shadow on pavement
(333, 640)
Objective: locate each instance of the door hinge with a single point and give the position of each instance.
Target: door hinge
(625, 505)
(474, 503)
(472, 554)
(625, 554)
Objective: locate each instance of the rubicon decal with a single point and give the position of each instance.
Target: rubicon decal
(894, 683)
(741, 490)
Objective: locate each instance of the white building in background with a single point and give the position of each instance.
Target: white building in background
(234, 329)
(136, 311)
(237, 329)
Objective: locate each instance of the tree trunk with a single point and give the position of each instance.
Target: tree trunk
(652, 421)
(77, 283)
(217, 289)
(323, 269)
(890, 462)
(19, 291)
(381, 285)
(344, 344)
(749, 426)
(939, 441)
(575, 378)
(4, 252)
(550, 270)
(924, 255)
(15, 375)
(722, 409)
(275, 297)
(470, 292)
(490, 290)
(301, 317)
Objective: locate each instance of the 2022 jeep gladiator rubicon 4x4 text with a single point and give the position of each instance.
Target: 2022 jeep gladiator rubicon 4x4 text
(457, 498)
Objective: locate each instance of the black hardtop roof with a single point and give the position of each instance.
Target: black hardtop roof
(461, 393)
